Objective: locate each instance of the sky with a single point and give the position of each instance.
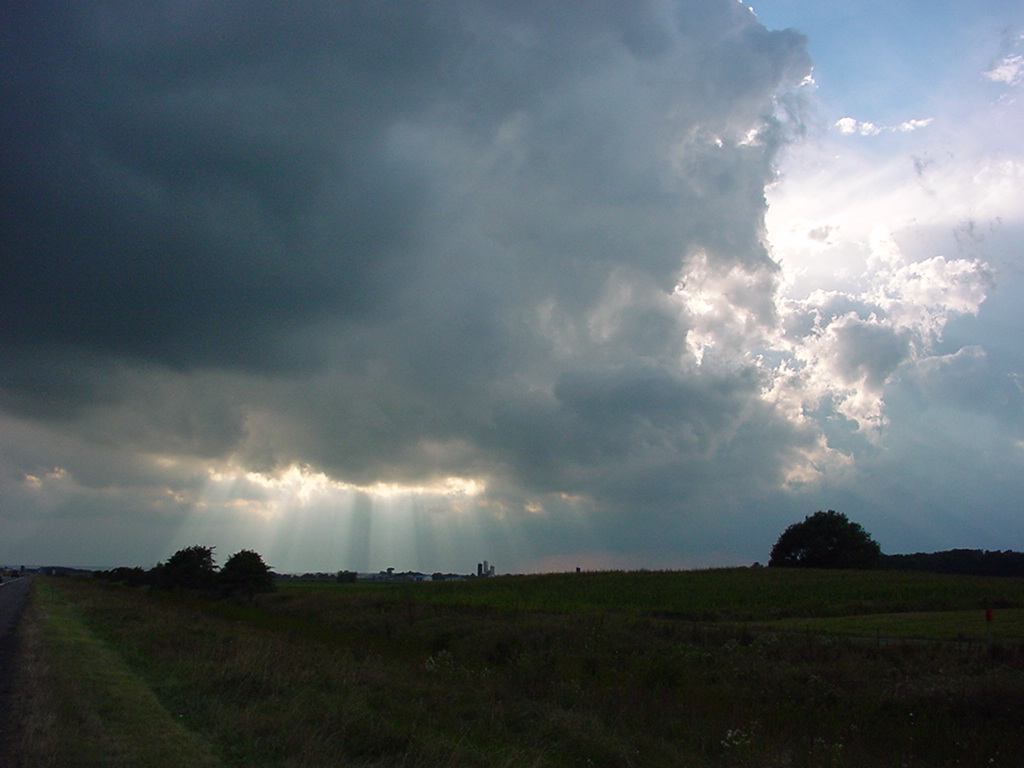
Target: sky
(630, 284)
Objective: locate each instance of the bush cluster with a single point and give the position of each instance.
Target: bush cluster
(193, 568)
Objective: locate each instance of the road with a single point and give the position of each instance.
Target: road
(13, 593)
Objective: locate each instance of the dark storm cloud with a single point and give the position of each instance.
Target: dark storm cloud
(395, 241)
(192, 184)
(623, 433)
(186, 186)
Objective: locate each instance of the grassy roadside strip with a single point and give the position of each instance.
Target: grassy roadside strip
(77, 703)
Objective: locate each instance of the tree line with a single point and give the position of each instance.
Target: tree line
(964, 562)
(831, 540)
(193, 568)
(822, 540)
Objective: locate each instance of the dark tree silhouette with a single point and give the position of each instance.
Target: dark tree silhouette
(825, 540)
(129, 576)
(245, 573)
(189, 568)
(974, 562)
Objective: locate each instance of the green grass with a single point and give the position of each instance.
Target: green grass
(600, 669)
(87, 708)
(950, 626)
(744, 594)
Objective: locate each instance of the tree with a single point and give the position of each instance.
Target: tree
(245, 573)
(189, 568)
(825, 540)
(131, 577)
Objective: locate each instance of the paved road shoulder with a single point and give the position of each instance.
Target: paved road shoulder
(13, 596)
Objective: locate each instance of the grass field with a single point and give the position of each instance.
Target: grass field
(739, 667)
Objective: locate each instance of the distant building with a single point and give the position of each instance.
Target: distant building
(392, 575)
(484, 569)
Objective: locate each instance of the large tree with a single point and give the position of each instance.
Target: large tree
(245, 573)
(825, 540)
(188, 568)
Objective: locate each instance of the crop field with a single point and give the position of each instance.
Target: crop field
(721, 668)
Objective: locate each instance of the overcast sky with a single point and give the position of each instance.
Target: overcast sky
(600, 284)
